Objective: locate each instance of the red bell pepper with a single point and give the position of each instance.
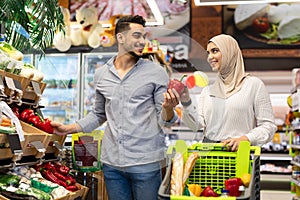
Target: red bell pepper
(45, 125)
(209, 192)
(26, 114)
(233, 185)
(34, 120)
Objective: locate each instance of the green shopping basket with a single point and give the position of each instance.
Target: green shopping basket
(213, 166)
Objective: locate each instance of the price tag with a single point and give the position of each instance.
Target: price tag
(10, 83)
(14, 143)
(17, 84)
(39, 146)
(36, 87)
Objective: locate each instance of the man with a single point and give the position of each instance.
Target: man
(129, 96)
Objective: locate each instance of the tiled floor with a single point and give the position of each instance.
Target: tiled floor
(276, 195)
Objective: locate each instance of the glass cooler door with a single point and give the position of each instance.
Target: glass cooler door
(60, 97)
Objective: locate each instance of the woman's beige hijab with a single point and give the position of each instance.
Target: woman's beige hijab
(231, 74)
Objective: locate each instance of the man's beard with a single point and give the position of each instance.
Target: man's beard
(135, 55)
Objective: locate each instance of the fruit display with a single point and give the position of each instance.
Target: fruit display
(24, 132)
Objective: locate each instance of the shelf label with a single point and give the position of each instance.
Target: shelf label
(10, 83)
(36, 87)
(14, 143)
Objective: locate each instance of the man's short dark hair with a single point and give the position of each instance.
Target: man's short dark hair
(123, 23)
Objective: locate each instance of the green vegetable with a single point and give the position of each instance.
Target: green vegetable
(272, 34)
(2, 186)
(28, 65)
(39, 194)
(9, 179)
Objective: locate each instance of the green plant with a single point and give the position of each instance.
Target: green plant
(30, 24)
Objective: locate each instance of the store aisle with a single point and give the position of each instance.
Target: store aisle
(276, 195)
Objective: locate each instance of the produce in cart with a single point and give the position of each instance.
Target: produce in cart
(216, 170)
(177, 175)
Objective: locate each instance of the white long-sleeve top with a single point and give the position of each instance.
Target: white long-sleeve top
(248, 112)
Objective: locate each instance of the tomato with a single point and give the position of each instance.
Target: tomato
(261, 24)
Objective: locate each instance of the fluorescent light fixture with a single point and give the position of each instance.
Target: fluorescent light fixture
(156, 13)
(229, 2)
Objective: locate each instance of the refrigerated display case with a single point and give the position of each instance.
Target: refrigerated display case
(61, 96)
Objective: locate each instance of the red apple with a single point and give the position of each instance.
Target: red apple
(177, 85)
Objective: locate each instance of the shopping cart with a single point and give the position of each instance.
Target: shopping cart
(214, 165)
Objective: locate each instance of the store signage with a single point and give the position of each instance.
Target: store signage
(181, 51)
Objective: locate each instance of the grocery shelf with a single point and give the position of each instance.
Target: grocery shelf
(275, 177)
(295, 146)
(275, 156)
(295, 163)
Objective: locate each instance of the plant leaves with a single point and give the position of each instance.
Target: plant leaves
(40, 19)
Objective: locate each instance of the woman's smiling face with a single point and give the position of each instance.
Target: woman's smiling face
(214, 57)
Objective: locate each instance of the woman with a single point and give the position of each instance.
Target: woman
(235, 107)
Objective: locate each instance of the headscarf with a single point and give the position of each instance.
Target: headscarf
(231, 74)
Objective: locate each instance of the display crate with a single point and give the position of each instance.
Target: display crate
(30, 94)
(50, 148)
(25, 85)
(32, 134)
(214, 165)
(82, 193)
(48, 138)
(5, 152)
(22, 80)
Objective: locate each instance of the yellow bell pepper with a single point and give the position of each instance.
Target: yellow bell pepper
(195, 189)
(246, 178)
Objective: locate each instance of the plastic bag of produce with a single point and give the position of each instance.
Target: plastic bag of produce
(4, 108)
(86, 151)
